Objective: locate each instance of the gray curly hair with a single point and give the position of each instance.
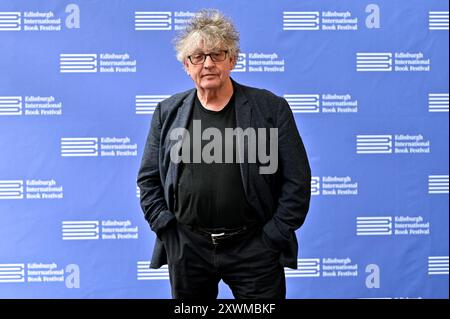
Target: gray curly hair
(209, 28)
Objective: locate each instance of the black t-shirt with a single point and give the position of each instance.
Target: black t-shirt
(210, 193)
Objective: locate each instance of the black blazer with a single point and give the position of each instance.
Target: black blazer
(281, 199)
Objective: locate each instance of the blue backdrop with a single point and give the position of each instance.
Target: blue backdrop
(367, 82)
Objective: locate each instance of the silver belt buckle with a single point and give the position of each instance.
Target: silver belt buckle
(214, 237)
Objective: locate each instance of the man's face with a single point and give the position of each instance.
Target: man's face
(209, 75)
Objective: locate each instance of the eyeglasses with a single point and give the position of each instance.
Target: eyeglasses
(200, 58)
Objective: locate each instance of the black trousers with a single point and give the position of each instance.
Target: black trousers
(248, 264)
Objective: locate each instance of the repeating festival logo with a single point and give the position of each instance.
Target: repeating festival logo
(93, 63)
(41, 20)
(374, 226)
(334, 186)
(438, 20)
(438, 184)
(392, 225)
(40, 189)
(389, 144)
(374, 144)
(144, 272)
(316, 20)
(146, 104)
(322, 103)
(260, 62)
(97, 146)
(437, 265)
(241, 63)
(43, 273)
(392, 61)
(438, 102)
(30, 105)
(95, 229)
(306, 267)
(330, 20)
(161, 20)
(325, 267)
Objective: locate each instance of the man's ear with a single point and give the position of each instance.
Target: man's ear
(233, 62)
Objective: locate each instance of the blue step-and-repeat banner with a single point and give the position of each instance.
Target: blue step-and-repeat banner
(367, 82)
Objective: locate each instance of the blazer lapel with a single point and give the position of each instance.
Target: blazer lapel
(243, 120)
(182, 120)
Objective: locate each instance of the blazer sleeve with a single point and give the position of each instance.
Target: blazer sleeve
(152, 199)
(295, 180)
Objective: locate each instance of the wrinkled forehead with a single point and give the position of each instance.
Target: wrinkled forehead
(199, 42)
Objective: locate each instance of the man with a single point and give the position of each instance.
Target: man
(222, 209)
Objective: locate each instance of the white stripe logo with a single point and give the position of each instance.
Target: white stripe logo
(10, 21)
(10, 105)
(80, 230)
(438, 184)
(241, 63)
(152, 20)
(303, 103)
(438, 265)
(438, 20)
(300, 20)
(373, 226)
(372, 62)
(307, 267)
(438, 102)
(144, 272)
(10, 189)
(315, 185)
(78, 63)
(12, 273)
(146, 104)
(373, 144)
(79, 146)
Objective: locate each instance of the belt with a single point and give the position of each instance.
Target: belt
(219, 235)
